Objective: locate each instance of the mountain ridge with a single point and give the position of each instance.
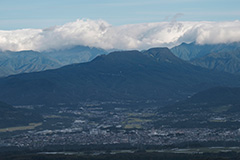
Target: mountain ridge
(222, 61)
(193, 50)
(30, 61)
(126, 75)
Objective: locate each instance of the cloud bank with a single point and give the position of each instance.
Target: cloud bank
(99, 33)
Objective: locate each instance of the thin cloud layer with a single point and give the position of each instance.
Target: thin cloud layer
(99, 33)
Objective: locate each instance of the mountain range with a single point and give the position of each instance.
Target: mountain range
(32, 61)
(155, 74)
(193, 50)
(220, 57)
(221, 61)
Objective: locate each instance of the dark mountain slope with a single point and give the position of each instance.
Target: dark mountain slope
(12, 117)
(217, 95)
(155, 74)
(217, 99)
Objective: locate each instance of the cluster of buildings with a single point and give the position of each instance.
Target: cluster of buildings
(98, 126)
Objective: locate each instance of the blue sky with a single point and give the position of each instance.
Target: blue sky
(19, 14)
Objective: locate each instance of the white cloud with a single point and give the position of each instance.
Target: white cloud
(98, 33)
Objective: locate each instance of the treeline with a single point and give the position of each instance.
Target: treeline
(129, 156)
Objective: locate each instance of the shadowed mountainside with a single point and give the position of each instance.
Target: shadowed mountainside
(155, 74)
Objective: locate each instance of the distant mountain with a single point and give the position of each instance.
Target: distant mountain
(12, 117)
(217, 99)
(77, 54)
(222, 61)
(192, 51)
(25, 61)
(32, 61)
(155, 74)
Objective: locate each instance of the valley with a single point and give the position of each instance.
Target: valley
(146, 125)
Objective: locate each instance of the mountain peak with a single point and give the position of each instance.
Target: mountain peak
(162, 55)
(159, 49)
(153, 55)
(117, 57)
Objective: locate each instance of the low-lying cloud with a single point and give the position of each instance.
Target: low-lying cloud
(99, 33)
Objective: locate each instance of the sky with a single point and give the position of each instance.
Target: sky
(116, 24)
(19, 14)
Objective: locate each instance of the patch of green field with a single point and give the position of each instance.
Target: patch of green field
(134, 123)
(198, 150)
(218, 120)
(21, 128)
(221, 109)
(141, 114)
(132, 126)
(54, 116)
(138, 120)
